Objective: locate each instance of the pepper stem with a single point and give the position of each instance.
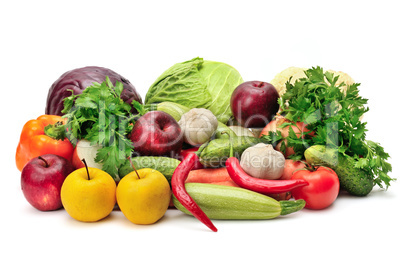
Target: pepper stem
(56, 131)
(86, 167)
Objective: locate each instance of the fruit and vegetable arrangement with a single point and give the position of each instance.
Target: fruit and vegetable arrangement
(204, 142)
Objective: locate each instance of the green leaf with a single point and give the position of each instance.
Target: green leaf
(334, 117)
(100, 116)
(118, 88)
(139, 107)
(362, 163)
(273, 137)
(68, 102)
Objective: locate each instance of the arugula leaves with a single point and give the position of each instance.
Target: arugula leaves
(334, 115)
(100, 116)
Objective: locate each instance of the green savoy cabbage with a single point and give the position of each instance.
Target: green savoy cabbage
(197, 83)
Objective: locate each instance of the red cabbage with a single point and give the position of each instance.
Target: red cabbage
(79, 79)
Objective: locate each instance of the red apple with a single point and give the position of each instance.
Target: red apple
(41, 181)
(254, 103)
(157, 133)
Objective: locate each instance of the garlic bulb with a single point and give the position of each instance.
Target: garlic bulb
(263, 161)
(198, 125)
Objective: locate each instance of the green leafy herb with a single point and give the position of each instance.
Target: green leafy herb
(100, 116)
(334, 115)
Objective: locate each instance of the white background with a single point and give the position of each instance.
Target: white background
(40, 40)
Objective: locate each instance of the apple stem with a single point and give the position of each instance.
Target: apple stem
(46, 163)
(132, 165)
(261, 84)
(86, 167)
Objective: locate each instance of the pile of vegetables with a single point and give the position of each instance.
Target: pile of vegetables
(221, 173)
(333, 115)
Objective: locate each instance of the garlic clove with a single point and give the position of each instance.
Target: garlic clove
(262, 161)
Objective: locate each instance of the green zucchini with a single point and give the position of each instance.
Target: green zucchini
(218, 150)
(173, 109)
(227, 202)
(165, 165)
(355, 181)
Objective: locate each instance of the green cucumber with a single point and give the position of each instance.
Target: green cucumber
(165, 165)
(355, 181)
(218, 150)
(227, 202)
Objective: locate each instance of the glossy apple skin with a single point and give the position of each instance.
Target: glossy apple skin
(41, 183)
(157, 133)
(88, 194)
(254, 103)
(143, 198)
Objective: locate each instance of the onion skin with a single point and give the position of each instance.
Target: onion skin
(274, 125)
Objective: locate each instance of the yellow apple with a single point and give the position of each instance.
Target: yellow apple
(88, 194)
(143, 196)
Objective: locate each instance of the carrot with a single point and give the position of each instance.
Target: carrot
(208, 176)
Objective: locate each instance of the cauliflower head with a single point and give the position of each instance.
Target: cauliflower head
(279, 81)
(295, 73)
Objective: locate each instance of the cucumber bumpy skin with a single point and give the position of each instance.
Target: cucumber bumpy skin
(218, 150)
(355, 181)
(226, 202)
(165, 165)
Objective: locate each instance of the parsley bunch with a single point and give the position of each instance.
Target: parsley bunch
(100, 116)
(334, 115)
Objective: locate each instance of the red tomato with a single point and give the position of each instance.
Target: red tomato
(322, 190)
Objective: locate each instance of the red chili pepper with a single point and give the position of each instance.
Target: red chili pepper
(263, 186)
(179, 190)
(185, 152)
